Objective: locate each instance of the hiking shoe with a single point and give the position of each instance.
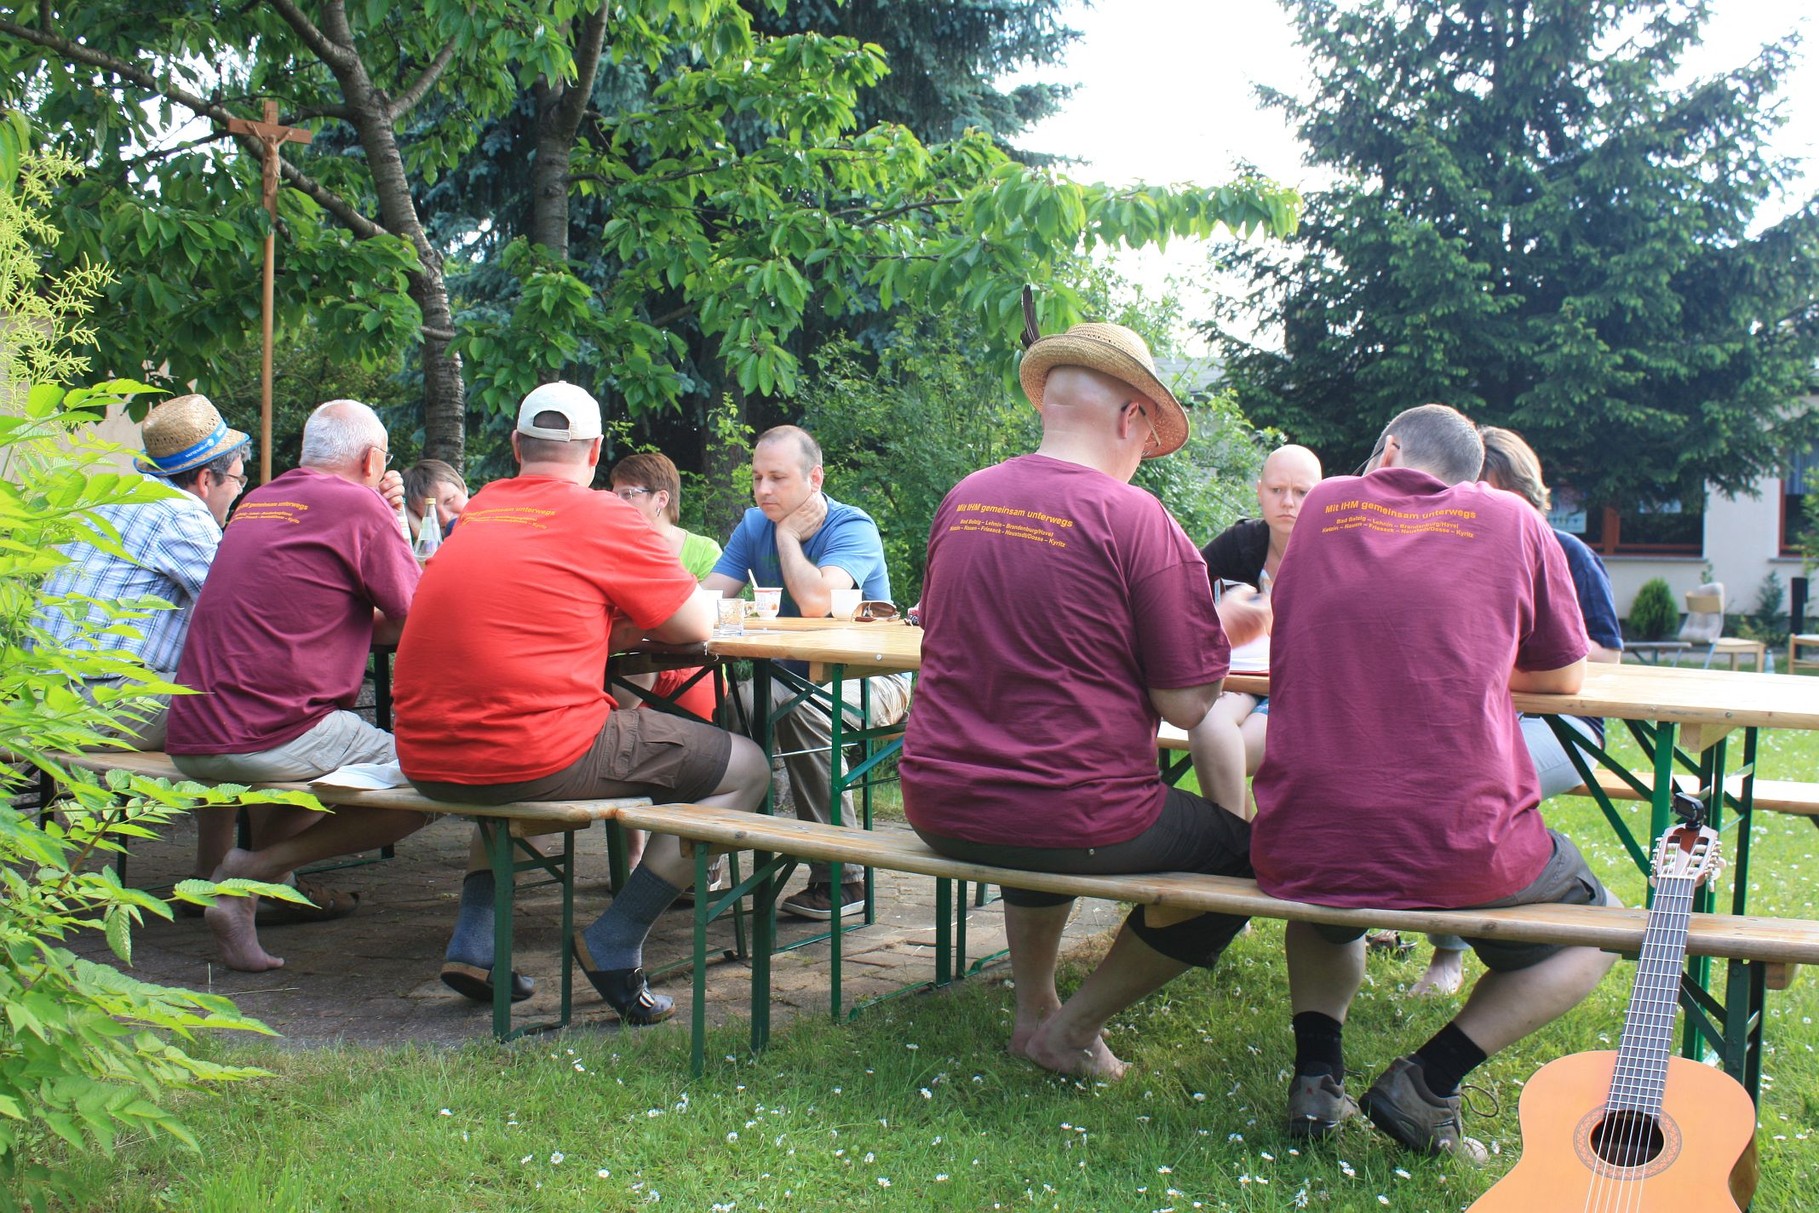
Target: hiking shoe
(1317, 1104)
(817, 902)
(1401, 1104)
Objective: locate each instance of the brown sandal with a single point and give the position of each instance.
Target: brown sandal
(329, 904)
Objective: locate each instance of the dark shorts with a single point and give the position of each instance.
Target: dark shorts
(636, 753)
(1190, 834)
(1564, 880)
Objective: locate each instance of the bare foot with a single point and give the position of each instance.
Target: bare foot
(1025, 1027)
(232, 921)
(1092, 1060)
(1445, 974)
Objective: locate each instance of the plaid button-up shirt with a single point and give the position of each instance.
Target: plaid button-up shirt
(172, 542)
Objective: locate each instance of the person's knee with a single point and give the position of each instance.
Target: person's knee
(748, 772)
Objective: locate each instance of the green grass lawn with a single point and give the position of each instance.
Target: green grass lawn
(916, 1104)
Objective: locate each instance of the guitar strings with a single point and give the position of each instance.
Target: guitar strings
(1637, 1087)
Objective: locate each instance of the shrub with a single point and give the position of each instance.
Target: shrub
(1653, 615)
(87, 1051)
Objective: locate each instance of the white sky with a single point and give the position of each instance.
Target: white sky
(1165, 94)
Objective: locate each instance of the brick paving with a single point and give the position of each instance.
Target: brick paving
(371, 978)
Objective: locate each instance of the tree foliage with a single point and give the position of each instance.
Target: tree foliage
(1531, 221)
(743, 195)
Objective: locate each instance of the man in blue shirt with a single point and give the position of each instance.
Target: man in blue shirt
(810, 545)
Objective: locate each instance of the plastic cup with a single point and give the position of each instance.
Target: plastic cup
(729, 617)
(768, 599)
(846, 602)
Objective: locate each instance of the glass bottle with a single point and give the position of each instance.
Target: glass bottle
(429, 534)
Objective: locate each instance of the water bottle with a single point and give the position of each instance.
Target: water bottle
(429, 534)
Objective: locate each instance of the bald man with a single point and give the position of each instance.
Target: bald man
(1228, 744)
(1065, 614)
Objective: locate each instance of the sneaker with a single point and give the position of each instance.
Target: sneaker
(816, 902)
(1317, 1105)
(718, 881)
(1401, 1104)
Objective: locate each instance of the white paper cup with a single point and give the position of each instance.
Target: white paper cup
(846, 602)
(729, 617)
(768, 599)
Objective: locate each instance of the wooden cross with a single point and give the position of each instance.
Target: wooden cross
(273, 137)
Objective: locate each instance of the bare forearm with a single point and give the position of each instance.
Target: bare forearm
(800, 576)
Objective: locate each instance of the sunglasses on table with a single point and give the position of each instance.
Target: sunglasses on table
(872, 612)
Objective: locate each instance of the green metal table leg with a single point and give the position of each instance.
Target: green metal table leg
(498, 839)
(697, 1055)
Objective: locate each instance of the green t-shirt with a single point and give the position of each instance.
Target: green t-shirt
(698, 555)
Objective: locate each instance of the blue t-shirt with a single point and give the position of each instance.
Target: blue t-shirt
(1593, 586)
(848, 539)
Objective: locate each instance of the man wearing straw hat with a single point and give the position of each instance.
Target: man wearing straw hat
(166, 547)
(1066, 614)
(313, 566)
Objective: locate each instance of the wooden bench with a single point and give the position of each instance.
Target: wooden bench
(1752, 943)
(507, 848)
(1769, 795)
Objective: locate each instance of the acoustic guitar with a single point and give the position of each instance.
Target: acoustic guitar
(1639, 1130)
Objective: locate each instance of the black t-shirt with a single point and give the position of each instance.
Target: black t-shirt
(1238, 553)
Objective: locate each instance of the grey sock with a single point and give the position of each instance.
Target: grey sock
(472, 942)
(616, 938)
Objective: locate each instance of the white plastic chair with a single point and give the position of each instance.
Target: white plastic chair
(1704, 618)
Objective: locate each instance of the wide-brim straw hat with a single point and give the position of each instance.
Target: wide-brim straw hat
(185, 432)
(1110, 349)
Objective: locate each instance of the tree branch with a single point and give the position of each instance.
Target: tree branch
(325, 48)
(414, 92)
(362, 227)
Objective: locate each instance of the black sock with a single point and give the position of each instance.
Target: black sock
(1446, 1059)
(1318, 1049)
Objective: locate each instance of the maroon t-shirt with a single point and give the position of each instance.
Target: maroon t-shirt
(281, 632)
(1055, 597)
(1395, 773)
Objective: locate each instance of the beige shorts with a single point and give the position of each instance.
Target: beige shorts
(338, 739)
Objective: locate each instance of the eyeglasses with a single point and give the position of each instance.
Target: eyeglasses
(239, 477)
(1155, 442)
(626, 494)
(872, 612)
(386, 451)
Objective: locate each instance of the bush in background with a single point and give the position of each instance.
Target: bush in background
(1653, 615)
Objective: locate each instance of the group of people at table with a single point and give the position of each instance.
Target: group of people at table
(1066, 615)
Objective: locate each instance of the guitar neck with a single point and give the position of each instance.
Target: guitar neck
(1640, 1076)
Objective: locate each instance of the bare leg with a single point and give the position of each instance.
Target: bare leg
(1072, 1040)
(330, 834)
(1445, 973)
(740, 788)
(214, 838)
(1255, 728)
(1034, 935)
(1217, 747)
(1505, 1007)
(1322, 976)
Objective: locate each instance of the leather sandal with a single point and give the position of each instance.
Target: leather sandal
(329, 904)
(476, 983)
(626, 991)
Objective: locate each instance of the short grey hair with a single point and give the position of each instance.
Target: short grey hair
(1439, 440)
(221, 465)
(339, 432)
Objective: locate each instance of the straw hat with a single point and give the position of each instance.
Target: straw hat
(1114, 350)
(185, 432)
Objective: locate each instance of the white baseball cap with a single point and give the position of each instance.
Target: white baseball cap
(574, 403)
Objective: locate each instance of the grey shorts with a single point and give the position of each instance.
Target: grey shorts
(636, 753)
(1564, 880)
(338, 739)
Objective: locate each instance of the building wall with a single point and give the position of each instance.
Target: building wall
(1742, 541)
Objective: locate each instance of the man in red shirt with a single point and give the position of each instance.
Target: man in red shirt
(1065, 614)
(500, 685)
(311, 567)
(1412, 601)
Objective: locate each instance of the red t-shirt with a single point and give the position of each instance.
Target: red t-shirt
(1055, 597)
(501, 672)
(1395, 773)
(282, 629)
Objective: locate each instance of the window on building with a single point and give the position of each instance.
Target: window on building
(1797, 487)
(1662, 528)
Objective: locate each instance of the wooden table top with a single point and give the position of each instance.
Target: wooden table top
(1724, 698)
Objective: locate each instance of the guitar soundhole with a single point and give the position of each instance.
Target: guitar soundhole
(1628, 1139)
